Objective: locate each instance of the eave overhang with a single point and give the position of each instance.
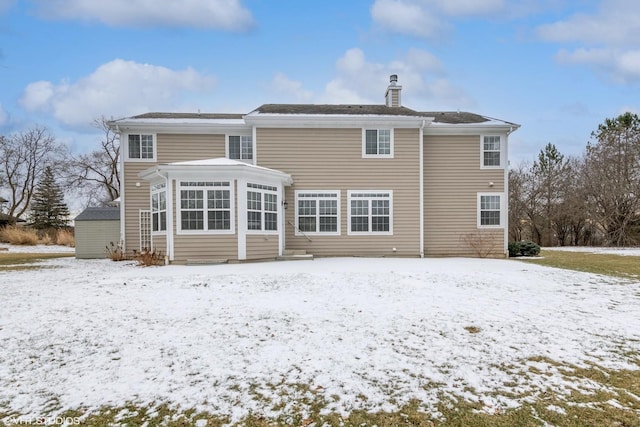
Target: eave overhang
(214, 169)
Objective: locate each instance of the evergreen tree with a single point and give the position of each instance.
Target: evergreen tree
(48, 209)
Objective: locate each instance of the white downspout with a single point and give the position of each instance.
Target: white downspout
(122, 215)
(421, 197)
(506, 192)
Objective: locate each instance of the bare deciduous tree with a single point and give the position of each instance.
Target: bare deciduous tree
(612, 178)
(96, 175)
(23, 158)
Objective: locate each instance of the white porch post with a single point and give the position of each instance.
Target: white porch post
(242, 218)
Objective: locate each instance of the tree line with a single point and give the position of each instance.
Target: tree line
(36, 171)
(591, 199)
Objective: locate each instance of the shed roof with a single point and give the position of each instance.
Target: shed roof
(99, 214)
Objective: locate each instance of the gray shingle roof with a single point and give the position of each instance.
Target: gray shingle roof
(99, 214)
(331, 109)
(188, 116)
(455, 117)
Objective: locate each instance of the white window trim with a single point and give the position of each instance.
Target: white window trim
(369, 233)
(502, 210)
(159, 190)
(502, 152)
(230, 187)
(319, 233)
(263, 191)
(253, 147)
(137, 159)
(377, 156)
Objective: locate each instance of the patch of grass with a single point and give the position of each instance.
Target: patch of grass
(611, 399)
(472, 329)
(26, 261)
(627, 267)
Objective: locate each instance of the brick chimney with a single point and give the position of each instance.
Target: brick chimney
(392, 96)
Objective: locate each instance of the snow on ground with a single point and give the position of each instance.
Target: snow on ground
(35, 249)
(373, 332)
(597, 250)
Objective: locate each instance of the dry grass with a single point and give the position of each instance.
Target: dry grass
(65, 238)
(18, 236)
(610, 265)
(25, 236)
(24, 261)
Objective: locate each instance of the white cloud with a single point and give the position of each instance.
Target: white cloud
(407, 17)
(609, 39)
(429, 18)
(117, 88)
(622, 66)
(208, 14)
(420, 73)
(284, 88)
(617, 22)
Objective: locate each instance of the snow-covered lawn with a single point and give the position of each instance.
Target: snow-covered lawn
(35, 249)
(366, 333)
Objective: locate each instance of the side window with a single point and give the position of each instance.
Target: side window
(262, 208)
(377, 143)
(205, 207)
(159, 208)
(140, 147)
(491, 156)
(318, 212)
(370, 212)
(240, 147)
(490, 210)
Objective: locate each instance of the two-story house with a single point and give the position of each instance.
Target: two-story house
(331, 180)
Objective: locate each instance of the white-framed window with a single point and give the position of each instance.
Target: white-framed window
(159, 208)
(240, 147)
(370, 212)
(377, 143)
(491, 152)
(318, 212)
(205, 207)
(262, 208)
(140, 147)
(490, 210)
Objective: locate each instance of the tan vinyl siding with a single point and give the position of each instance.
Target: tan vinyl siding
(205, 247)
(159, 243)
(170, 148)
(262, 246)
(331, 159)
(453, 179)
(135, 199)
(181, 148)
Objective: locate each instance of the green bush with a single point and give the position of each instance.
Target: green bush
(524, 248)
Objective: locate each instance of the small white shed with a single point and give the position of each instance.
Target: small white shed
(95, 229)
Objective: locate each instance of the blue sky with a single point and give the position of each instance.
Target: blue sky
(557, 67)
